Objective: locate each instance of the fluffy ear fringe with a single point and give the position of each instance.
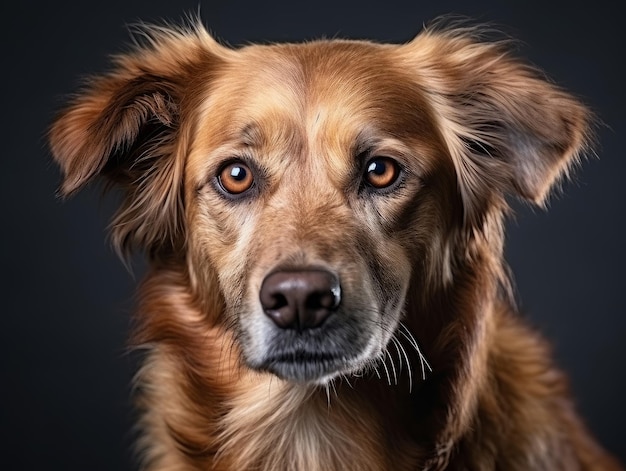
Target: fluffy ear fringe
(126, 126)
(507, 128)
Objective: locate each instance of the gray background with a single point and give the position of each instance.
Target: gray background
(65, 376)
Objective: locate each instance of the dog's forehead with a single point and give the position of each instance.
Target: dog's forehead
(326, 98)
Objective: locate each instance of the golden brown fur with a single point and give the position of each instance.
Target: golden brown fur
(438, 371)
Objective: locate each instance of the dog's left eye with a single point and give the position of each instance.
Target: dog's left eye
(381, 172)
(235, 178)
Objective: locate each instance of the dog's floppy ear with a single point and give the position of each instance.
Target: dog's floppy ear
(506, 127)
(127, 127)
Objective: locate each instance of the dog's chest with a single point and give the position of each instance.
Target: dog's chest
(285, 428)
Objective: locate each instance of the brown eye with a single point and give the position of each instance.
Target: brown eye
(236, 178)
(381, 172)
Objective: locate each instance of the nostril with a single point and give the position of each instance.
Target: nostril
(325, 300)
(275, 304)
(278, 301)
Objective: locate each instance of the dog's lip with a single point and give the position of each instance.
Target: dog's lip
(304, 365)
(302, 356)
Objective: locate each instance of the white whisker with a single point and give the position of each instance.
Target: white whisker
(411, 339)
(376, 370)
(332, 385)
(385, 367)
(401, 348)
(327, 390)
(393, 366)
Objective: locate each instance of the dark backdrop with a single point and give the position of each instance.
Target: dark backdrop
(64, 379)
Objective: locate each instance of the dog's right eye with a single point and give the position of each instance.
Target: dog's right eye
(235, 178)
(381, 172)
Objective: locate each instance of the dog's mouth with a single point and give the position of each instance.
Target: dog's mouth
(303, 365)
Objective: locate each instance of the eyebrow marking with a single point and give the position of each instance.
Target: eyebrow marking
(366, 140)
(251, 135)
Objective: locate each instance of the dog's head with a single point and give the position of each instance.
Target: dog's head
(310, 188)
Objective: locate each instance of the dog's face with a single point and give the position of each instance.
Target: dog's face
(310, 188)
(312, 194)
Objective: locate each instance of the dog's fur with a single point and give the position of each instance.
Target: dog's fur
(425, 364)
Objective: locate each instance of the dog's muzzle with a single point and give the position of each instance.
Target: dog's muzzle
(308, 339)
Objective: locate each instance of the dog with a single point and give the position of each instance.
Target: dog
(324, 228)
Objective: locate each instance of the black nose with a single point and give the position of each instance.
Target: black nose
(300, 299)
